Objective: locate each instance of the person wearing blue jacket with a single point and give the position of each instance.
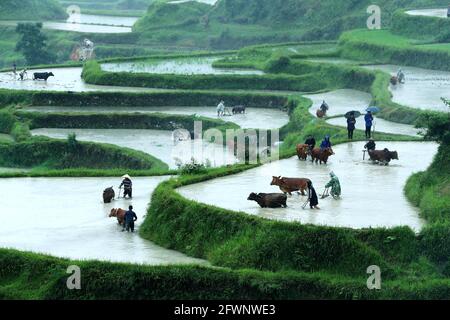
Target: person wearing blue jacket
(130, 218)
(368, 118)
(326, 143)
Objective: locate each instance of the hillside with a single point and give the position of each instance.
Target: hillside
(31, 10)
(233, 23)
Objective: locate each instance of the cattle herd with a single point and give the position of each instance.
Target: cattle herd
(300, 185)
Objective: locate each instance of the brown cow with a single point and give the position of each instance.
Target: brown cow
(302, 151)
(394, 80)
(383, 156)
(119, 214)
(289, 185)
(321, 155)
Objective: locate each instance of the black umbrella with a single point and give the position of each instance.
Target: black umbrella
(355, 113)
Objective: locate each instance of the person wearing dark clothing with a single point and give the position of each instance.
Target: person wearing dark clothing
(311, 142)
(371, 145)
(127, 186)
(130, 218)
(351, 122)
(324, 107)
(368, 118)
(14, 68)
(326, 143)
(312, 196)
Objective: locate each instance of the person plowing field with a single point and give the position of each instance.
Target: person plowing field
(335, 186)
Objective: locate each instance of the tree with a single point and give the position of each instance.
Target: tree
(437, 124)
(33, 44)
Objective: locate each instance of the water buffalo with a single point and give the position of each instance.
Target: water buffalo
(238, 109)
(108, 195)
(119, 214)
(269, 200)
(42, 75)
(302, 151)
(289, 185)
(320, 113)
(383, 156)
(318, 154)
(394, 80)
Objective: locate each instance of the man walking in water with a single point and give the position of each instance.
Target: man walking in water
(127, 186)
(130, 218)
(221, 108)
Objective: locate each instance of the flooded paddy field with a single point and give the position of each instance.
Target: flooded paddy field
(159, 143)
(261, 118)
(423, 88)
(372, 195)
(66, 217)
(188, 66)
(440, 13)
(65, 79)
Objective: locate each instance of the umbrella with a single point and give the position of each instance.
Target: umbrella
(373, 109)
(354, 112)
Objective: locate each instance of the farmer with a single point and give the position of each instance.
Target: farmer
(220, 108)
(14, 68)
(400, 76)
(368, 118)
(22, 74)
(335, 185)
(311, 142)
(371, 145)
(326, 143)
(130, 218)
(127, 186)
(312, 196)
(351, 122)
(324, 107)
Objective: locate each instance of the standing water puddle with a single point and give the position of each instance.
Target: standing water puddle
(372, 194)
(66, 217)
(440, 13)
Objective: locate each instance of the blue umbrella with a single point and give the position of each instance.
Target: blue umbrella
(373, 109)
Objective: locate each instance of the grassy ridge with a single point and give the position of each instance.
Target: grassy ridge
(47, 153)
(32, 276)
(31, 10)
(382, 46)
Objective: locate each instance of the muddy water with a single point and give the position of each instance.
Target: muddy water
(340, 101)
(65, 79)
(261, 118)
(76, 27)
(158, 143)
(380, 125)
(440, 13)
(372, 194)
(176, 66)
(73, 222)
(422, 89)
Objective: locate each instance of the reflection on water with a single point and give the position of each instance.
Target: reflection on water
(66, 217)
(76, 27)
(372, 194)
